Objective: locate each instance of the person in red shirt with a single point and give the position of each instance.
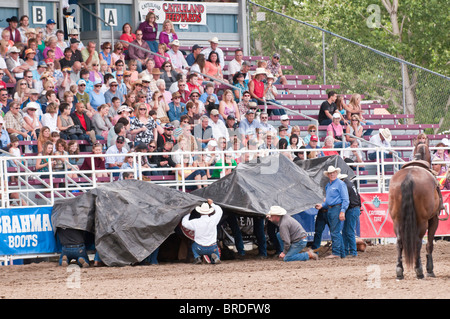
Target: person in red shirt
(256, 86)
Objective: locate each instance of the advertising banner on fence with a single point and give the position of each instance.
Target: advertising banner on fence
(177, 12)
(376, 222)
(27, 231)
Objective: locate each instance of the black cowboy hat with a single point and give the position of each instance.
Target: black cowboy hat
(12, 19)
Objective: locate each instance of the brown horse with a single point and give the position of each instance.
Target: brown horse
(414, 204)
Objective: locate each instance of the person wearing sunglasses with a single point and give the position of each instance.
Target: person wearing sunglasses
(274, 67)
(312, 130)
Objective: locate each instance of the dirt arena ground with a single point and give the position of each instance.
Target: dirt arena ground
(369, 276)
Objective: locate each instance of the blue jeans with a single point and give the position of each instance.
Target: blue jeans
(272, 231)
(153, 45)
(369, 131)
(321, 222)
(153, 258)
(258, 230)
(373, 156)
(74, 252)
(349, 231)
(237, 234)
(294, 252)
(340, 144)
(335, 230)
(199, 250)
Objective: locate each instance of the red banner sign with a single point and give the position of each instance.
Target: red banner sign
(376, 222)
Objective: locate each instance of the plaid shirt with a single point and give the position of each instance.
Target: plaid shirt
(14, 121)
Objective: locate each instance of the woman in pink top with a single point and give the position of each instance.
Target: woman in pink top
(167, 35)
(162, 48)
(212, 67)
(127, 35)
(336, 130)
(228, 106)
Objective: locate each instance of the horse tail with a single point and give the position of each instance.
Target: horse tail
(408, 223)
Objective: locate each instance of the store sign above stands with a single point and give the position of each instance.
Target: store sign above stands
(182, 13)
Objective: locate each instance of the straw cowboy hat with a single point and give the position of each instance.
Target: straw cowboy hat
(331, 169)
(214, 40)
(276, 210)
(175, 42)
(260, 71)
(342, 176)
(205, 209)
(31, 106)
(386, 134)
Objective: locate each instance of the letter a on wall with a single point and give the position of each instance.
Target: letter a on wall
(111, 16)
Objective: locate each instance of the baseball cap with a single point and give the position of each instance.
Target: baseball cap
(214, 112)
(73, 40)
(80, 82)
(284, 117)
(196, 46)
(314, 138)
(120, 139)
(51, 21)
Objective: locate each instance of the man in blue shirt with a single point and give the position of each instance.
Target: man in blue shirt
(336, 201)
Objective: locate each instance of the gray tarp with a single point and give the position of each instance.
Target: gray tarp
(131, 218)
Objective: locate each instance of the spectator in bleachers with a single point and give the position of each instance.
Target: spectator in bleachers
(283, 133)
(283, 145)
(355, 128)
(119, 150)
(60, 43)
(29, 59)
(176, 107)
(218, 125)
(199, 66)
(329, 143)
(441, 156)
(169, 75)
(355, 108)
(66, 61)
(162, 55)
(285, 121)
(192, 113)
(248, 125)
(4, 100)
(96, 97)
(106, 53)
(43, 164)
(264, 125)
(269, 142)
(193, 83)
(242, 86)
(15, 124)
(163, 108)
(274, 67)
(51, 44)
(21, 91)
(168, 34)
(5, 140)
(313, 145)
(16, 66)
(327, 109)
(24, 28)
(90, 54)
(244, 104)
(113, 92)
(94, 73)
(209, 92)
(213, 67)
(203, 132)
(200, 108)
(228, 105)
(32, 119)
(143, 126)
(419, 139)
(167, 136)
(191, 174)
(256, 86)
(382, 139)
(101, 122)
(65, 122)
(149, 27)
(336, 130)
(294, 142)
(195, 52)
(165, 161)
(214, 47)
(229, 161)
(80, 118)
(14, 32)
(128, 36)
(75, 48)
(99, 162)
(177, 58)
(50, 29)
(50, 118)
(235, 65)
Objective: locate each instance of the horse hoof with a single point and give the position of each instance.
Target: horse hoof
(400, 277)
(431, 274)
(399, 272)
(420, 276)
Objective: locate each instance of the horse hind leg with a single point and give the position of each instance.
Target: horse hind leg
(432, 226)
(418, 268)
(399, 269)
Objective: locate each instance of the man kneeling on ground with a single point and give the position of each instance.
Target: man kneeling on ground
(292, 236)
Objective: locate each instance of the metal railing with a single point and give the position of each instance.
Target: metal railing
(27, 187)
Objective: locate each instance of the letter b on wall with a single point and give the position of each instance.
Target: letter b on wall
(39, 15)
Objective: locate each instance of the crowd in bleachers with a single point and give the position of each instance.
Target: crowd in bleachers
(144, 94)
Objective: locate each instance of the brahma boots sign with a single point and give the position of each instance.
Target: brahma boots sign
(177, 12)
(376, 222)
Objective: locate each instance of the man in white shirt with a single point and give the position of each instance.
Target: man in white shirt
(235, 65)
(116, 162)
(177, 58)
(218, 126)
(264, 124)
(382, 139)
(214, 46)
(205, 228)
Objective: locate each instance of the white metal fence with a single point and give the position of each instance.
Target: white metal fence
(25, 186)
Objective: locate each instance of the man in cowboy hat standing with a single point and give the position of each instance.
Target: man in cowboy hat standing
(177, 58)
(336, 201)
(205, 228)
(292, 236)
(382, 139)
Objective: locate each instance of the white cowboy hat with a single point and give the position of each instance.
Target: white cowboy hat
(276, 210)
(204, 209)
(175, 42)
(332, 169)
(260, 71)
(214, 40)
(386, 134)
(342, 176)
(31, 105)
